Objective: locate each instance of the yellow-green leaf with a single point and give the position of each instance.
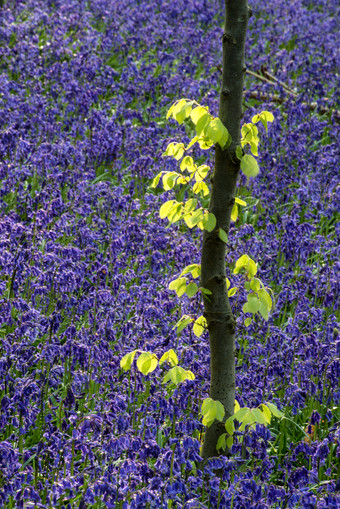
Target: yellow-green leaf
(187, 163)
(229, 425)
(169, 180)
(179, 285)
(194, 269)
(240, 202)
(255, 284)
(165, 208)
(232, 292)
(197, 113)
(175, 213)
(155, 181)
(201, 187)
(205, 143)
(209, 221)
(274, 410)
(211, 410)
(221, 442)
(217, 132)
(249, 166)
(252, 305)
(202, 123)
(183, 322)
(200, 326)
(127, 360)
(201, 172)
(170, 356)
(191, 289)
(177, 375)
(266, 412)
(234, 213)
(223, 236)
(147, 362)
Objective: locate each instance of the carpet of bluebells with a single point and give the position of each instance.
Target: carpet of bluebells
(85, 260)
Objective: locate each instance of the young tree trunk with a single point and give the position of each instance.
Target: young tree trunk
(217, 311)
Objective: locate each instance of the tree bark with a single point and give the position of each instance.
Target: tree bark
(217, 310)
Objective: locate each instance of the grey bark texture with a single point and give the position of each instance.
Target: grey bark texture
(217, 310)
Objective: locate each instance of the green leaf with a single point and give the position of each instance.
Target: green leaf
(229, 425)
(251, 269)
(232, 292)
(205, 291)
(266, 412)
(201, 172)
(175, 150)
(247, 419)
(223, 236)
(209, 221)
(197, 113)
(249, 166)
(155, 181)
(183, 322)
(165, 208)
(200, 326)
(264, 312)
(205, 143)
(169, 180)
(266, 303)
(178, 153)
(217, 132)
(274, 410)
(177, 374)
(246, 263)
(227, 283)
(199, 187)
(230, 442)
(183, 180)
(127, 360)
(239, 152)
(234, 213)
(255, 284)
(236, 406)
(192, 142)
(264, 117)
(187, 163)
(147, 362)
(252, 305)
(248, 321)
(182, 110)
(190, 205)
(259, 416)
(240, 414)
(175, 213)
(195, 218)
(170, 356)
(240, 202)
(221, 442)
(253, 148)
(202, 124)
(194, 269)
(191, 289)
(179, 285)
(170, 110)
(265, 298)
(211, 410)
